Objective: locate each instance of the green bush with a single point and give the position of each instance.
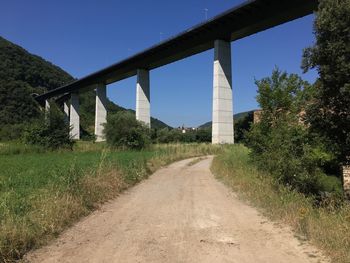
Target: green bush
(282, 144)
(167, 135)
(122, 130)
(203, 135)
(329, 112)
(12, 132)
(50, 131)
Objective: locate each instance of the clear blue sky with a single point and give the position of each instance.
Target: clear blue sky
(83, 36)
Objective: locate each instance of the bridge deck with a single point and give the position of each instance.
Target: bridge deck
(238, 22)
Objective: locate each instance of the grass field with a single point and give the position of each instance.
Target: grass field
(42, 193)
(326, 227)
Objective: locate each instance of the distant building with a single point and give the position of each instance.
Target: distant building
(184, 129)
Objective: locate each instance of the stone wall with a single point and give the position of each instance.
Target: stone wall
(257, 116)
(346, 181)
(258, 113)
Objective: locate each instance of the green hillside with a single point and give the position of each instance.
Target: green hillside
(237, 117)
(21, 75)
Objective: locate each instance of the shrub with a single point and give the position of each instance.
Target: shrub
(51, 131)
(203, 135)
(281, 144)
(122, 130)
(329, 112)
(242, 126)
(166, 135)
(12, 132)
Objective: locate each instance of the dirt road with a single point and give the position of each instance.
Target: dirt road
(180, 214)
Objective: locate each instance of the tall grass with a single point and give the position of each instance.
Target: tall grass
(8, 148)
(327, 227)
(16, 147)
(41, 194)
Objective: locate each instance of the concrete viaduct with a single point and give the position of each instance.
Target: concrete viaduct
(236, 23)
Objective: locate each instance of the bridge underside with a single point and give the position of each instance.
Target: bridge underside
(244, 20)
(236, 23)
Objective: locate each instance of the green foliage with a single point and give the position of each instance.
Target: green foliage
(281, 96)
(17, 64)
(242, 125)
(44, 193)
(87, 114)
(87, 102)
(236, 117)
(51, 131)
(12, 132)
(281, 143)
(322, 225)
(203, 135)
(17, 104)
(23, 74)
(166, 135)
(329, 112)
(124, 131)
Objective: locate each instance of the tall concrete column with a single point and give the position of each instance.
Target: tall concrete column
(101, 111)
(66, 111)
(74, 117)
(143, 112)
(47, 110)
(222, 123)
(47, 106)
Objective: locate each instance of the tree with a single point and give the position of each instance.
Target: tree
(17, 104)
(242, 126)
(50, 131)
(203, 135)
(21, 75)
(280, 142)
(329, 112)
(124, 131)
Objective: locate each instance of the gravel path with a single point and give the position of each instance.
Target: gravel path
(181, 214)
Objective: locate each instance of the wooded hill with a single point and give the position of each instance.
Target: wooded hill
(236, 117)
(23, 74)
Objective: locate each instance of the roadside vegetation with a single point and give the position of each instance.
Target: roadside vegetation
(123, 131)
(23, 74)
(291, 167)
(302, 137)
(326, 226)
(283, 144)
(51, 131)
(42, 193)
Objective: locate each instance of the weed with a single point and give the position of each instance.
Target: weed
(325, 226)
(44, 192)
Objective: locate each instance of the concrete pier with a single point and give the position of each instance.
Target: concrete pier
(74, 117)
(47, 106)
(101, 111)
(222, 128)
(66, 111)
(47, 110)
(143, 112)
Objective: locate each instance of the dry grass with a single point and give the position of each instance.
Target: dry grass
(325, 227)
(32, 216)
(197, 160)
